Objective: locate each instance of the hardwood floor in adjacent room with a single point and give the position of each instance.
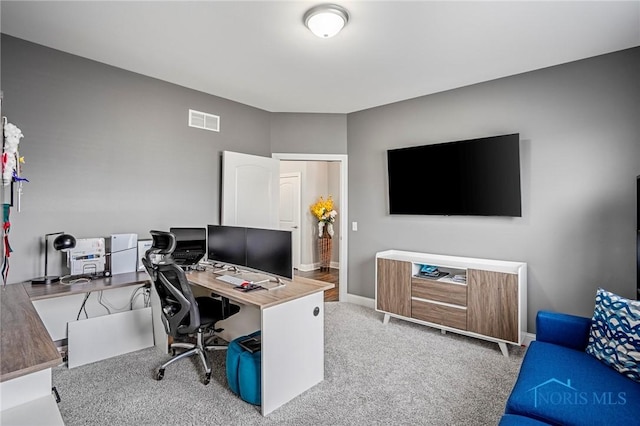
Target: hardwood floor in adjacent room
(331, 276)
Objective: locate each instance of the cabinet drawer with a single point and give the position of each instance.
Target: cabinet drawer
(439, 291)
(439, 314)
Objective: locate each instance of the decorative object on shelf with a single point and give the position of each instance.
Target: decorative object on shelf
(62, 242)
(325, 213)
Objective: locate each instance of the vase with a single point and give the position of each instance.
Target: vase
(324, 249)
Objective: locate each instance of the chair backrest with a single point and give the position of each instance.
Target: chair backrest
(180, 314)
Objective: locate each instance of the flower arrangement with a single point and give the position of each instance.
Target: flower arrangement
(323, 210)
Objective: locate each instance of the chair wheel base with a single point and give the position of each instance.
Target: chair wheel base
(160, 374)
(207, 379)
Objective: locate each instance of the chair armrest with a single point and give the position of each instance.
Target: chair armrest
(566, 330)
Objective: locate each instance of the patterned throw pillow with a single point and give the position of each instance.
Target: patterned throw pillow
(614, 337)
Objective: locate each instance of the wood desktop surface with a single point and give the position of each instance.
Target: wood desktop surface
(295, 289)
(25, 344)
(39, 291)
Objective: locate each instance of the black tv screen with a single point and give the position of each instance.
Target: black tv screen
(475, 177)
(227, 244)
(270, 250)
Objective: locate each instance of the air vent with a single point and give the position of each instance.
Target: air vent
(202, 120)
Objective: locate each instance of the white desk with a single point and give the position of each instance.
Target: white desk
(29, 353)
(292, 324)
(291, 320)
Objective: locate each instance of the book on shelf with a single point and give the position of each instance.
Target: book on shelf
(436, 275)
(428, 269)
(461, 278)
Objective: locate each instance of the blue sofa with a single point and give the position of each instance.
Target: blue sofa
(560, 384)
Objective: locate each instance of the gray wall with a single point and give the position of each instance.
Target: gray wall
(106, 148)
(109, 151)
(580, 155)
(309, 133)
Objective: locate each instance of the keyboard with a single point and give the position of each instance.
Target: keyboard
(187, 257)
(230, 279)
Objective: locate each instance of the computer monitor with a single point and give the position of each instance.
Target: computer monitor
(270, 251)
(191, 245)
(190, 239)
(227, 245)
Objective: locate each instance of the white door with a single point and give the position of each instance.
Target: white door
(290, 210)
(250, 190)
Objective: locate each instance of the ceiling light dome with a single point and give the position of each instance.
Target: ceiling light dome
(326, 20)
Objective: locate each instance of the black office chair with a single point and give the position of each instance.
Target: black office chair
(183, 315)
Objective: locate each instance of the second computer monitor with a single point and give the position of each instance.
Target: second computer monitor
(270, 251)
(227, 244)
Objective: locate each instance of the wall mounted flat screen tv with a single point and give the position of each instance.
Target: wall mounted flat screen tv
(475, 177)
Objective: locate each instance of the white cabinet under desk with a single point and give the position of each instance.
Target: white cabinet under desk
(291, 320)
(487, 299)
(96, 326)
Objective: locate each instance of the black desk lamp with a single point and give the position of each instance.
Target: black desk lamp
(62, 242)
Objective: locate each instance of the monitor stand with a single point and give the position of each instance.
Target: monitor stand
(254, 277)
(278, 283)
(225, 270)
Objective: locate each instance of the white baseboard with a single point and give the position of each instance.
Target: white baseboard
(528, 338)
(362, 301)
(306, 267)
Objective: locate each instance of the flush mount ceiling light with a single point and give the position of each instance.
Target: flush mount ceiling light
(326, 20)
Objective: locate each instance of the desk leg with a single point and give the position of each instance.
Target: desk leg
(160, 336)
(292, 349)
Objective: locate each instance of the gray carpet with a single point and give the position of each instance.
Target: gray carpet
(401, 374)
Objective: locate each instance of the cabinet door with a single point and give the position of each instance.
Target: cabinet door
(393, 289)
(492, 304)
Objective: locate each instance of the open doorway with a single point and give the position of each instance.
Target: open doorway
(319, 175)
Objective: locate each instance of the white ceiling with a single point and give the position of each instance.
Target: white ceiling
(259, 53)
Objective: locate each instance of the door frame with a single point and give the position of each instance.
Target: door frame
(343, 217)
